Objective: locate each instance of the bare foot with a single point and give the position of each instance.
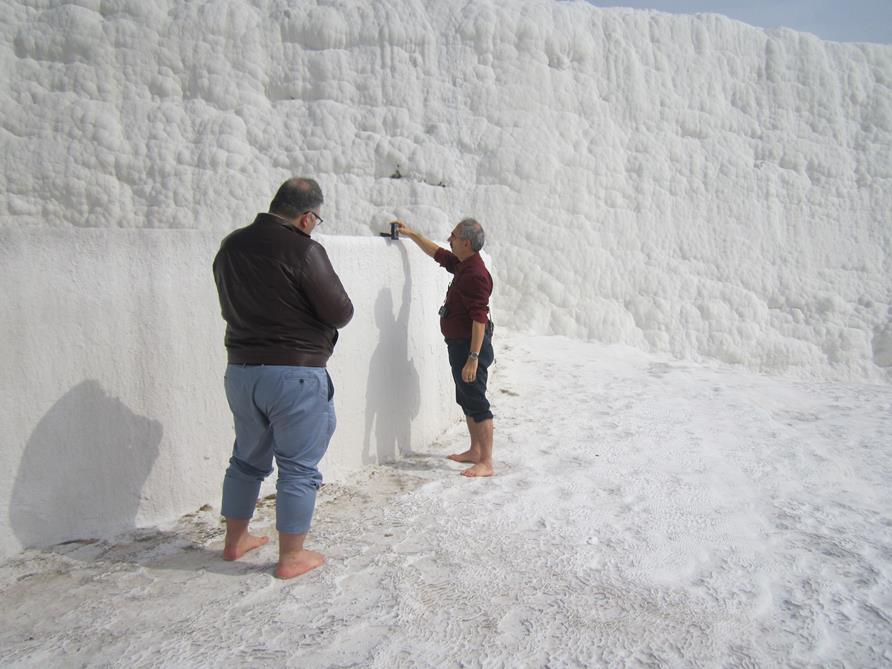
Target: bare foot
(299, 563)
(248, 542)
(467, 456)
(480, 469)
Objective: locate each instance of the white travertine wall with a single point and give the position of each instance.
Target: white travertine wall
(112, 401)
(683, 184)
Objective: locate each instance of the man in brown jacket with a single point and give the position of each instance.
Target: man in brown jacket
(283, 304)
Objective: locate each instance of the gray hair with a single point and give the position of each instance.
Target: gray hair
(471, 230)
(296, 196)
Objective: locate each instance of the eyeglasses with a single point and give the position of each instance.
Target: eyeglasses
(319, 220)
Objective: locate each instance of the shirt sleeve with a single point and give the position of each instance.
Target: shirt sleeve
(448, 260)
(475, 292)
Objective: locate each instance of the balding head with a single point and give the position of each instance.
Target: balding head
(296, 196)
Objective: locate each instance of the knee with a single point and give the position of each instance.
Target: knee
(242, 470)
(297, 477)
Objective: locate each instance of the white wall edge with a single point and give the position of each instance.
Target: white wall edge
(113, 403)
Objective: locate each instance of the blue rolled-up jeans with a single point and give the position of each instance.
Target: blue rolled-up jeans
(282, 412)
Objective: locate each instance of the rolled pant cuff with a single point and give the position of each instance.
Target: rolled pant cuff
(239, 498)
(294, 512)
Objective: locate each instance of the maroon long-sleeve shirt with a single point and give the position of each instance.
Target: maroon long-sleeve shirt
(467, 299)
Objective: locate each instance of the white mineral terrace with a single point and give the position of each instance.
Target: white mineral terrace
(689, 222)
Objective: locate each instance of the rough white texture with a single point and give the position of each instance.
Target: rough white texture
(667, 515)
(112, 401)
(685, 184)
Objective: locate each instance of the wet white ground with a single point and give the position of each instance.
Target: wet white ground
(645, 512)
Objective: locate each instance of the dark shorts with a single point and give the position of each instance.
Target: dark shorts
(471, 397)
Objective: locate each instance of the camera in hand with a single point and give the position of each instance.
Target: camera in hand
(394, 232)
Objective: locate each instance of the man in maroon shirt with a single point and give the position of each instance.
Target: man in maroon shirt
(464, 322)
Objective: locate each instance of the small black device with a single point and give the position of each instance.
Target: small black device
(394, 232)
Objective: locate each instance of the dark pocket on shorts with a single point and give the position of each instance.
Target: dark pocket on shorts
(330, 385)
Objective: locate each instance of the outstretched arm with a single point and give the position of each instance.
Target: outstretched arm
(423, 242)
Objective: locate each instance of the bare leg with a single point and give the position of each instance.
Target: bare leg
(294, 559)
(473, 453)
(481, 434)
(238, 540)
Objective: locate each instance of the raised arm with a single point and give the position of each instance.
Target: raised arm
(423, 242)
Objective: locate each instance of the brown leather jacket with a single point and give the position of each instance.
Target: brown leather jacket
(281, 299)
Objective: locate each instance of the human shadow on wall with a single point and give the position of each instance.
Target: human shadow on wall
(83, 469)
(393, 391)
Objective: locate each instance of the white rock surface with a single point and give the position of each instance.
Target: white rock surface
(684, 184)
(112, 402)
(665, 515)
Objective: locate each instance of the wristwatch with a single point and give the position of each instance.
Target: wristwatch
(473, 355)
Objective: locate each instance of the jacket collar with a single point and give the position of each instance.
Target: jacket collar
(274, 219)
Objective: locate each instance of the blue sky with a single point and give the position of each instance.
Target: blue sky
(836, 20)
